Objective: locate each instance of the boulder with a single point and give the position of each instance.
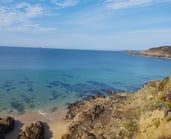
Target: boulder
(34, 131)
(6, 125)
(66, 136)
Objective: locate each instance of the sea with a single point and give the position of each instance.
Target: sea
(33, 79)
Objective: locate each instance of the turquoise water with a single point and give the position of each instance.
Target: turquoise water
(32, 79)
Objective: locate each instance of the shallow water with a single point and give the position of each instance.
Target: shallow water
(32, 79)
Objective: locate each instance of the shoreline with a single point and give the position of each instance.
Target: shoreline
(149, 56)
(143, 114)
(54, 123)
(163, 52)
(94, 117)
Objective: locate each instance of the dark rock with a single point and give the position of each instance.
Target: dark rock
(34, 131)
(91, 136)
(167, 99)
(32, 106)
(110, 93)
(26, 99)
(66, 136)
(54, 109)
(6, 125)
(167, 96)
(55, 95)
(49, 86)
(2, 136)
(95, 112)
(30, 89)
(101, 85)
(71, 109)
(90, 97)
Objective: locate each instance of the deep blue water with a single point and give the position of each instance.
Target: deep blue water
(32, 79)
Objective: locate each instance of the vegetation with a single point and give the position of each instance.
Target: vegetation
(163, 83)
(131, 126)
(164, 137)
(168, 118)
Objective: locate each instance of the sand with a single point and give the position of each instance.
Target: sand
(55, 125)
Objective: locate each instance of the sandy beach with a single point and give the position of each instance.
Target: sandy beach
(54, 123)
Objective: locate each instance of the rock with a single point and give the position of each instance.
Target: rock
(66, 136)
(97, 110)
(87, 135)
(101, 137)
(91, 136)
(34, 131)
(71, 110)
(121, 115)
(6, 125)
(2, 136)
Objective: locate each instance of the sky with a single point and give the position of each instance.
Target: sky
(86, 24)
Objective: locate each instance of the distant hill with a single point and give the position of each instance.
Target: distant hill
(161, 52)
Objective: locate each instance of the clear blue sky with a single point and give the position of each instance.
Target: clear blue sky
(86, 24)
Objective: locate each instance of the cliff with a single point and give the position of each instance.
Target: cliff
(144, 114)
(161, 52)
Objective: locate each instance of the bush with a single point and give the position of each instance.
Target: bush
(168, 118)
(131, 126)
(163, 83)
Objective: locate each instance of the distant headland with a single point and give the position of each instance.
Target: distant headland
(159, 52)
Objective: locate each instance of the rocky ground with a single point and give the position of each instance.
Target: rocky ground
(144, 114)
(34, 131)
(161, 52)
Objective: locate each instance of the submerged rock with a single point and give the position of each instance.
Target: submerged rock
(34, 131)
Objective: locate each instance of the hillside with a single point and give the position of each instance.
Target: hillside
(143, 114)
(161, 52)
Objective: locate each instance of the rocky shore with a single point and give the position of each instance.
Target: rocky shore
(159, 52)
(144, 114)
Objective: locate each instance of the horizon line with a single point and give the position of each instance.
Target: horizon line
(67, 48)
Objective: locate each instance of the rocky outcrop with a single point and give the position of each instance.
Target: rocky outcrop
(160, 52)
(6, 126)
(34, 131)
(135, 115)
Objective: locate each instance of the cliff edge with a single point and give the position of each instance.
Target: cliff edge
(160, 52)
(144, 114)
